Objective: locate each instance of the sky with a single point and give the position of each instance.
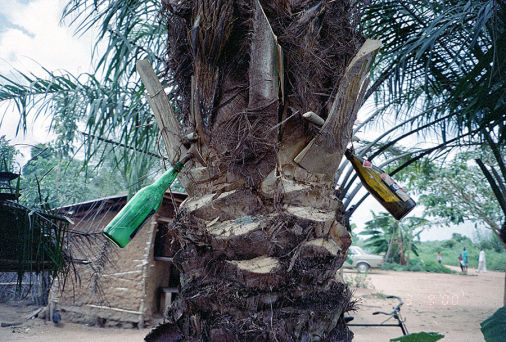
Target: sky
(31, 35)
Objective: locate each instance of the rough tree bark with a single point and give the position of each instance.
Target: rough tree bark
(260, 238)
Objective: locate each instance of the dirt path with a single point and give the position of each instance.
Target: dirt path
(39, 332)
(451, 304)
(43, 331)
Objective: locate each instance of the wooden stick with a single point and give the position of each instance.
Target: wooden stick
(314, 118)
(324, 152)
(164, 115)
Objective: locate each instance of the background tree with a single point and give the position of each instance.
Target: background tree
(49, 180)
(456, 190)
(54, 179)
(394, 239)
(8, 155)
(126, 169)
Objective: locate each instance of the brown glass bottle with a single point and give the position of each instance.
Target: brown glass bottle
(382, 186)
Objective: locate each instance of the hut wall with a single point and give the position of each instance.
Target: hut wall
(126, 291)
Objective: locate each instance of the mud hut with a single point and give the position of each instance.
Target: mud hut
(117, 287)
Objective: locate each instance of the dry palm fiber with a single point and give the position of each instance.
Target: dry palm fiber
(318, 39)
(259, 239)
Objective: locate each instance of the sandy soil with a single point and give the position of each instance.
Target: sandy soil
(45, 331)
(451, 304)
(38, 330)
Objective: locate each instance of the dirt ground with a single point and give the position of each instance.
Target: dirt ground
(38, 330)
(451, 304)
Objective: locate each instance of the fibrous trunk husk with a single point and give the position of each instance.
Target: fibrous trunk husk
(260, 237)
(260, 278)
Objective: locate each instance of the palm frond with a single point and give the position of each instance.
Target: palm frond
(106, 108)
(131, 30)
(441, 53)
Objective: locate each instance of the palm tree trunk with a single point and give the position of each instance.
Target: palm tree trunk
(261, 235)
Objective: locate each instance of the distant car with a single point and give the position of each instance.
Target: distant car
(363, 260)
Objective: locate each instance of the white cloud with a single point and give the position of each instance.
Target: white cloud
(45, 41)
(30, 36)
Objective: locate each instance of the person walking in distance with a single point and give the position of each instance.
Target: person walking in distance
(464, 259)
(439, 257)
(461, 263)
(482, 262)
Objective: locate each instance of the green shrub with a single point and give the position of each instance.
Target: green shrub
(492, 243)
(448, 244)
(496, 260)
(494, 327)
(461, 239)
(436, 267)
(419, 337)
(358, 280)
(418, 265)
(390, 266)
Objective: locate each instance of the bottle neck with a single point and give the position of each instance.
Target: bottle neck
(168, 177)
(349, 154)
(355, 160)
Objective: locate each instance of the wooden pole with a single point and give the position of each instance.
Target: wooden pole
(164, 115)
(324, 152)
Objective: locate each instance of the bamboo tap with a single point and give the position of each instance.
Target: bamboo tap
(314, 118)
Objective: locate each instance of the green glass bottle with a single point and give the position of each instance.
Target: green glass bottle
(382, 186)
(141, 207)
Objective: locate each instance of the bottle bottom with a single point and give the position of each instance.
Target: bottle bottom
(400, 215)
(110, 238)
